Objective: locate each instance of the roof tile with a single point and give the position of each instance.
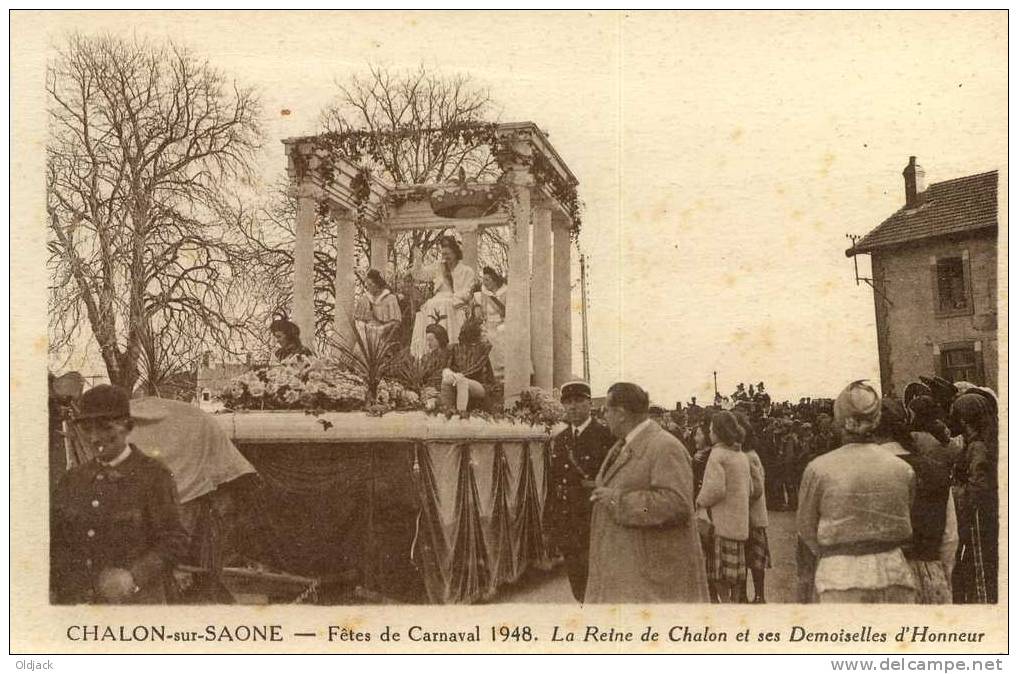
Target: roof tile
(950, 207)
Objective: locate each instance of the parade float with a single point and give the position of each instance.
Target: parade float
(367, 479)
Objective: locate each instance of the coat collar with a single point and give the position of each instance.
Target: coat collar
(581, 429)
(637, 439)
(125, 466)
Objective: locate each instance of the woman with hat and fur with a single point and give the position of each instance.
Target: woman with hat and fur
(454, 284)
(975, 484)
(934, 526)
(116, 533)
(854, 514)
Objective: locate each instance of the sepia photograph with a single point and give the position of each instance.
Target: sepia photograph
(514, 331)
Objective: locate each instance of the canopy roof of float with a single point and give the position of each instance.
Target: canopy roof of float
(382, 205)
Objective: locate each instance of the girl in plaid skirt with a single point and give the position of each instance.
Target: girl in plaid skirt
(726, 491)
(758, 553)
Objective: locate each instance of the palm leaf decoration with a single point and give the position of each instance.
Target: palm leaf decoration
(411, 371)
(371, 355)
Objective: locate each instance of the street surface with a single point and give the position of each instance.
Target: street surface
(553, 587)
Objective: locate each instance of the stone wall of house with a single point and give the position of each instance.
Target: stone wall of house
(910, 333)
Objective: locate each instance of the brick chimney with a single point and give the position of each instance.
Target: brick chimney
(915, 183)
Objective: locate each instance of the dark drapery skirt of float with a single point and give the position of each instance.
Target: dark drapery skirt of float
(419, 522)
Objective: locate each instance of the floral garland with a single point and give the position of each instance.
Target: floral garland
(320, 385)
(536, 407)
(306, 383)
(358, 145)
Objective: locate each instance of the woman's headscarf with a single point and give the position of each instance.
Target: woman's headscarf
(894, 423)
(857, 408)
(976, 411)
(985, 391)
(929, 417)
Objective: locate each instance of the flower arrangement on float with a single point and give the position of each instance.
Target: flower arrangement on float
(371, 374)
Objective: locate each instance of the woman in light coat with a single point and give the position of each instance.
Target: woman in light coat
(855, 512)
(726, 492)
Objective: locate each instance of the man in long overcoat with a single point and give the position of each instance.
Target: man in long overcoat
(576, 455)
(644, 546)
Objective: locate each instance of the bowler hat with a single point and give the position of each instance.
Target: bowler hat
(104, 402)
(575, 389)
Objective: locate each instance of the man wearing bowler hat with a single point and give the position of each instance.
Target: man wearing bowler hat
(115, 530)
(576, 455)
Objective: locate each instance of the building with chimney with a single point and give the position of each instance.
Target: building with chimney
(934, 281)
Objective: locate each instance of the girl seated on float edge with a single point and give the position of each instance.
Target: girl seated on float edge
(469, 377)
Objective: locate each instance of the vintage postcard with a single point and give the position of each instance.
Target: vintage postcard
(516, 332)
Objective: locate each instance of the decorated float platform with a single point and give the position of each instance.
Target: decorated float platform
(414, 506)
(411, 506)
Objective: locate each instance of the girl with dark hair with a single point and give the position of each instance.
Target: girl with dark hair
(469, 378)
(725, 494)
(438, 355)
(378, 309)
(975, 484)
(454, 283)
(287, 336)
(934, 526)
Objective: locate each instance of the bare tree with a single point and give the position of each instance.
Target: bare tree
(264, 230)
(143, 137)
(417, 119)
(414, 119)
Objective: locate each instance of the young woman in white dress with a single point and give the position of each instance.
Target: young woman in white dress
(490, 301)
(454, 283)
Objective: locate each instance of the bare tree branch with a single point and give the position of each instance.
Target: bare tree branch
(143, 137)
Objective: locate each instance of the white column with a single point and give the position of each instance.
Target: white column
(517, 319)
(303, 307)
(346, 233)
(562, 308)
(540, 297)
(469, 235)
(379, 251)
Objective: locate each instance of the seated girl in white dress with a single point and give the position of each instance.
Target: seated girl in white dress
(454, 282)
(377, 310)
(490, 301)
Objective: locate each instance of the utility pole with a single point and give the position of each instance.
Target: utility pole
(583, 311)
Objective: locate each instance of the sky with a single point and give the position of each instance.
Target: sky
(722, 156)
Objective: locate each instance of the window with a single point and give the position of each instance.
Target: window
(951, 285)
(962, 362)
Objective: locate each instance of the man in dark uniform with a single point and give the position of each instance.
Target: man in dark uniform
(115, 530)
(576, 455)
